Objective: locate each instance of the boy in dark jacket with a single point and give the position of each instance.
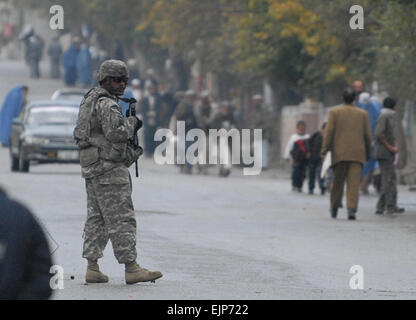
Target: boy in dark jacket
(315, 160)
(297, 148)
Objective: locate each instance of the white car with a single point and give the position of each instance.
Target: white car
(72, 94)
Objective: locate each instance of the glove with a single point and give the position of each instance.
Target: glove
(133, 153)
(139, 124)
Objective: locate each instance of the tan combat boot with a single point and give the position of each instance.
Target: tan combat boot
(134, 274)
(94, 275)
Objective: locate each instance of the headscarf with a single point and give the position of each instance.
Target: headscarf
(11, 108)
(365, 103)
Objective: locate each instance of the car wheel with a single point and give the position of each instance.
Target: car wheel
(23, 164)
(14, 161)
(14, 164)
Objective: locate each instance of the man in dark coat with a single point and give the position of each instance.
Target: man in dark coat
(348, 137)
(25, 259)
(150, 107)
(55, 53)
(185, 112)
(315, 160)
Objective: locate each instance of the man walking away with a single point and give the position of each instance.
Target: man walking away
(385, 151)
(348, 136)
(150, 107)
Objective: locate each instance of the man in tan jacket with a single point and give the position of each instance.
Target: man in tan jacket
(348, 137)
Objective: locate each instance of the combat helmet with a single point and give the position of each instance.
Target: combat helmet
(112, 68)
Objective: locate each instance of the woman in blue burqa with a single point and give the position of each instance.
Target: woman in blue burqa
(84, 66)
(365, 103)
(69, 62)
(12, 106)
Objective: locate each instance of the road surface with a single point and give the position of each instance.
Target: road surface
(239, 237)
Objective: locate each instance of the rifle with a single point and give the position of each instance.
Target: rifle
(131, 112)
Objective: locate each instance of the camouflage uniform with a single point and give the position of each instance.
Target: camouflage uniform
(105, 156)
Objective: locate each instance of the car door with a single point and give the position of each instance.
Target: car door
(17, 129)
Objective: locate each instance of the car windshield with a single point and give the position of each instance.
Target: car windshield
(70, 96)
(52, 115)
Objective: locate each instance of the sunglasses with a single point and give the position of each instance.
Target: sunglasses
(119, 79)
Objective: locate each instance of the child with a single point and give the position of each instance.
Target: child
(298, 150)
(385, 151)
(315, 161)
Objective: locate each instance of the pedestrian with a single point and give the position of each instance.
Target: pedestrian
(186, 112)
(224, 119)
(25, 258)
(348, 137)
(55, 53)
(34, 55)
(315, 160)
(33, 49)
(236, 104)
(133, 69)
(69, 62)
(149, 80)
(150, 108)
(365, 103)
(119, 51)
(358, 86)
(204, 117)
(297, 149)
(84, 66)
(104, 137)
(12, 106)
(259, 118)
(167, 102)
(385, 151)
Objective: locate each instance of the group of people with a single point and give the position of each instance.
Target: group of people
(77, 61)
(359, 137)
(159, 108)
(304, 150)
(80, 60)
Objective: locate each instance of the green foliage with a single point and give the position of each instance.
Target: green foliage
(300, 44)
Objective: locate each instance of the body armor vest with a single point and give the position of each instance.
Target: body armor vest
(89, 136)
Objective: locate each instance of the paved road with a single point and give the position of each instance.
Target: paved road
(214, 238)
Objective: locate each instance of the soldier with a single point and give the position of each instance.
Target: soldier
(104, 137)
